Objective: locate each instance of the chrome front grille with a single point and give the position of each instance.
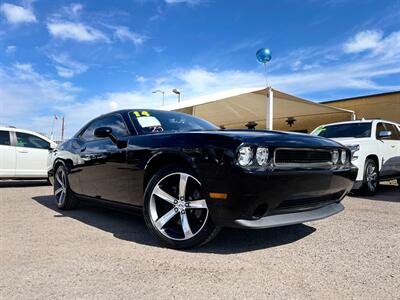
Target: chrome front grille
(300, 157)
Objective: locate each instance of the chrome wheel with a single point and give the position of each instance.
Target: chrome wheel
(60, 186)
(177, 207)
(372, 177)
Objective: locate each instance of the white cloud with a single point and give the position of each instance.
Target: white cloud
(123, 33)
(357, 75)
(78, 113)
(141, 79)
(159, 49)
(17, 14)
(113, 105)
(11, 49)
(311, 71)
(28, 97)
(75, 8)
(67, 67)
(364, 40)
(388, 47)
(75, 31)
(182, 1)
(64, 72)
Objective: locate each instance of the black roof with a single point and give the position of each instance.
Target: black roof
(359, 97)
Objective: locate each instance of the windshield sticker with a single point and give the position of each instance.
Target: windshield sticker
(148, 122)
(139, 114)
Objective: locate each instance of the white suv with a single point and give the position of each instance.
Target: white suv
(23, 154)
(375, 147)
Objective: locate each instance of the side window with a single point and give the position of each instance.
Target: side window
(31, 141)
(380, 127)
(116, 123)
(393, 129)
(5, 138)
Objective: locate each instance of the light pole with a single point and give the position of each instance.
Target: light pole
(162, 92)
(263, 56)
(178, 92)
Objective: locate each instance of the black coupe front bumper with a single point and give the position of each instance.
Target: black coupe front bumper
(292, 218)
(261, 199)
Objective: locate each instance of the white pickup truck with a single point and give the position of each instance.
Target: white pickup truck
(375, 147)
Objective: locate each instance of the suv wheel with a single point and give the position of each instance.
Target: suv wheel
(175, 209)
(371, 178)
(65, 199)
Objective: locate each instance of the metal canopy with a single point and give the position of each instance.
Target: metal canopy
(234, 108)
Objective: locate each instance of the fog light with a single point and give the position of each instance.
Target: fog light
(262, 156)
(335, 156)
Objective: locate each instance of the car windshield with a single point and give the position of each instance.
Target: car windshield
(150, 122)
(354, 130)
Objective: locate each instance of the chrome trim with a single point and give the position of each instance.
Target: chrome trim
(303, 165)
(291, 218)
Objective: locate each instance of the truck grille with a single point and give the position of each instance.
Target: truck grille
(301, 157)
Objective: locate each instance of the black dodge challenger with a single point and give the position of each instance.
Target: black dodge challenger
(190, 178)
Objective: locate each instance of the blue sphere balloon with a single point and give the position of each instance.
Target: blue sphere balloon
(263, 55)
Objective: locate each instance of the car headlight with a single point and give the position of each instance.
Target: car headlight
(245, 156)
(262, 156)
(343, 157)
(353, 149)
(335, 156)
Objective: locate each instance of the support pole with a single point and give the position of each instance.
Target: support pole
(52, 128)
(62, 129)
(270, 109)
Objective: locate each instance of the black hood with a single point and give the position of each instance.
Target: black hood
(277, 138)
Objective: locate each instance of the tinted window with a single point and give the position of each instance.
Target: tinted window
(31, 141)
(5, 138)
(162, 121)
(355, 130)
(393, 129)
(114, 121)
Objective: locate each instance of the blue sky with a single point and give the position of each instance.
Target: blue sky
(84, 58)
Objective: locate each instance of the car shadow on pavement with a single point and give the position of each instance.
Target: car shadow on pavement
(385, 192)
(132, 228)
(23, 183)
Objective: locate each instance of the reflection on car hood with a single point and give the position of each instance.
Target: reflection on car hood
(351, 140)
(282, 138)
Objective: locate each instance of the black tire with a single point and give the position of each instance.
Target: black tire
(179, 210)
(371, 178)
(64, 197)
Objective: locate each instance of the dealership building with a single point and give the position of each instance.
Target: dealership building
(247, 107)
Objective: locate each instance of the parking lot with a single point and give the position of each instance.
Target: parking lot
(93, 252)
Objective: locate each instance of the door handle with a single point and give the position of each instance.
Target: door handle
(22, 151)
(393, 146)
(83, 149)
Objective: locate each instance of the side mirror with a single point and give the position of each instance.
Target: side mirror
(384, 134)
(103, 132)
(51, 147)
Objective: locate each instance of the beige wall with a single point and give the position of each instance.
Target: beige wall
(380, 106)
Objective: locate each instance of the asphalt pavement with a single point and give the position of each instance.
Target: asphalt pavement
(97, 253)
